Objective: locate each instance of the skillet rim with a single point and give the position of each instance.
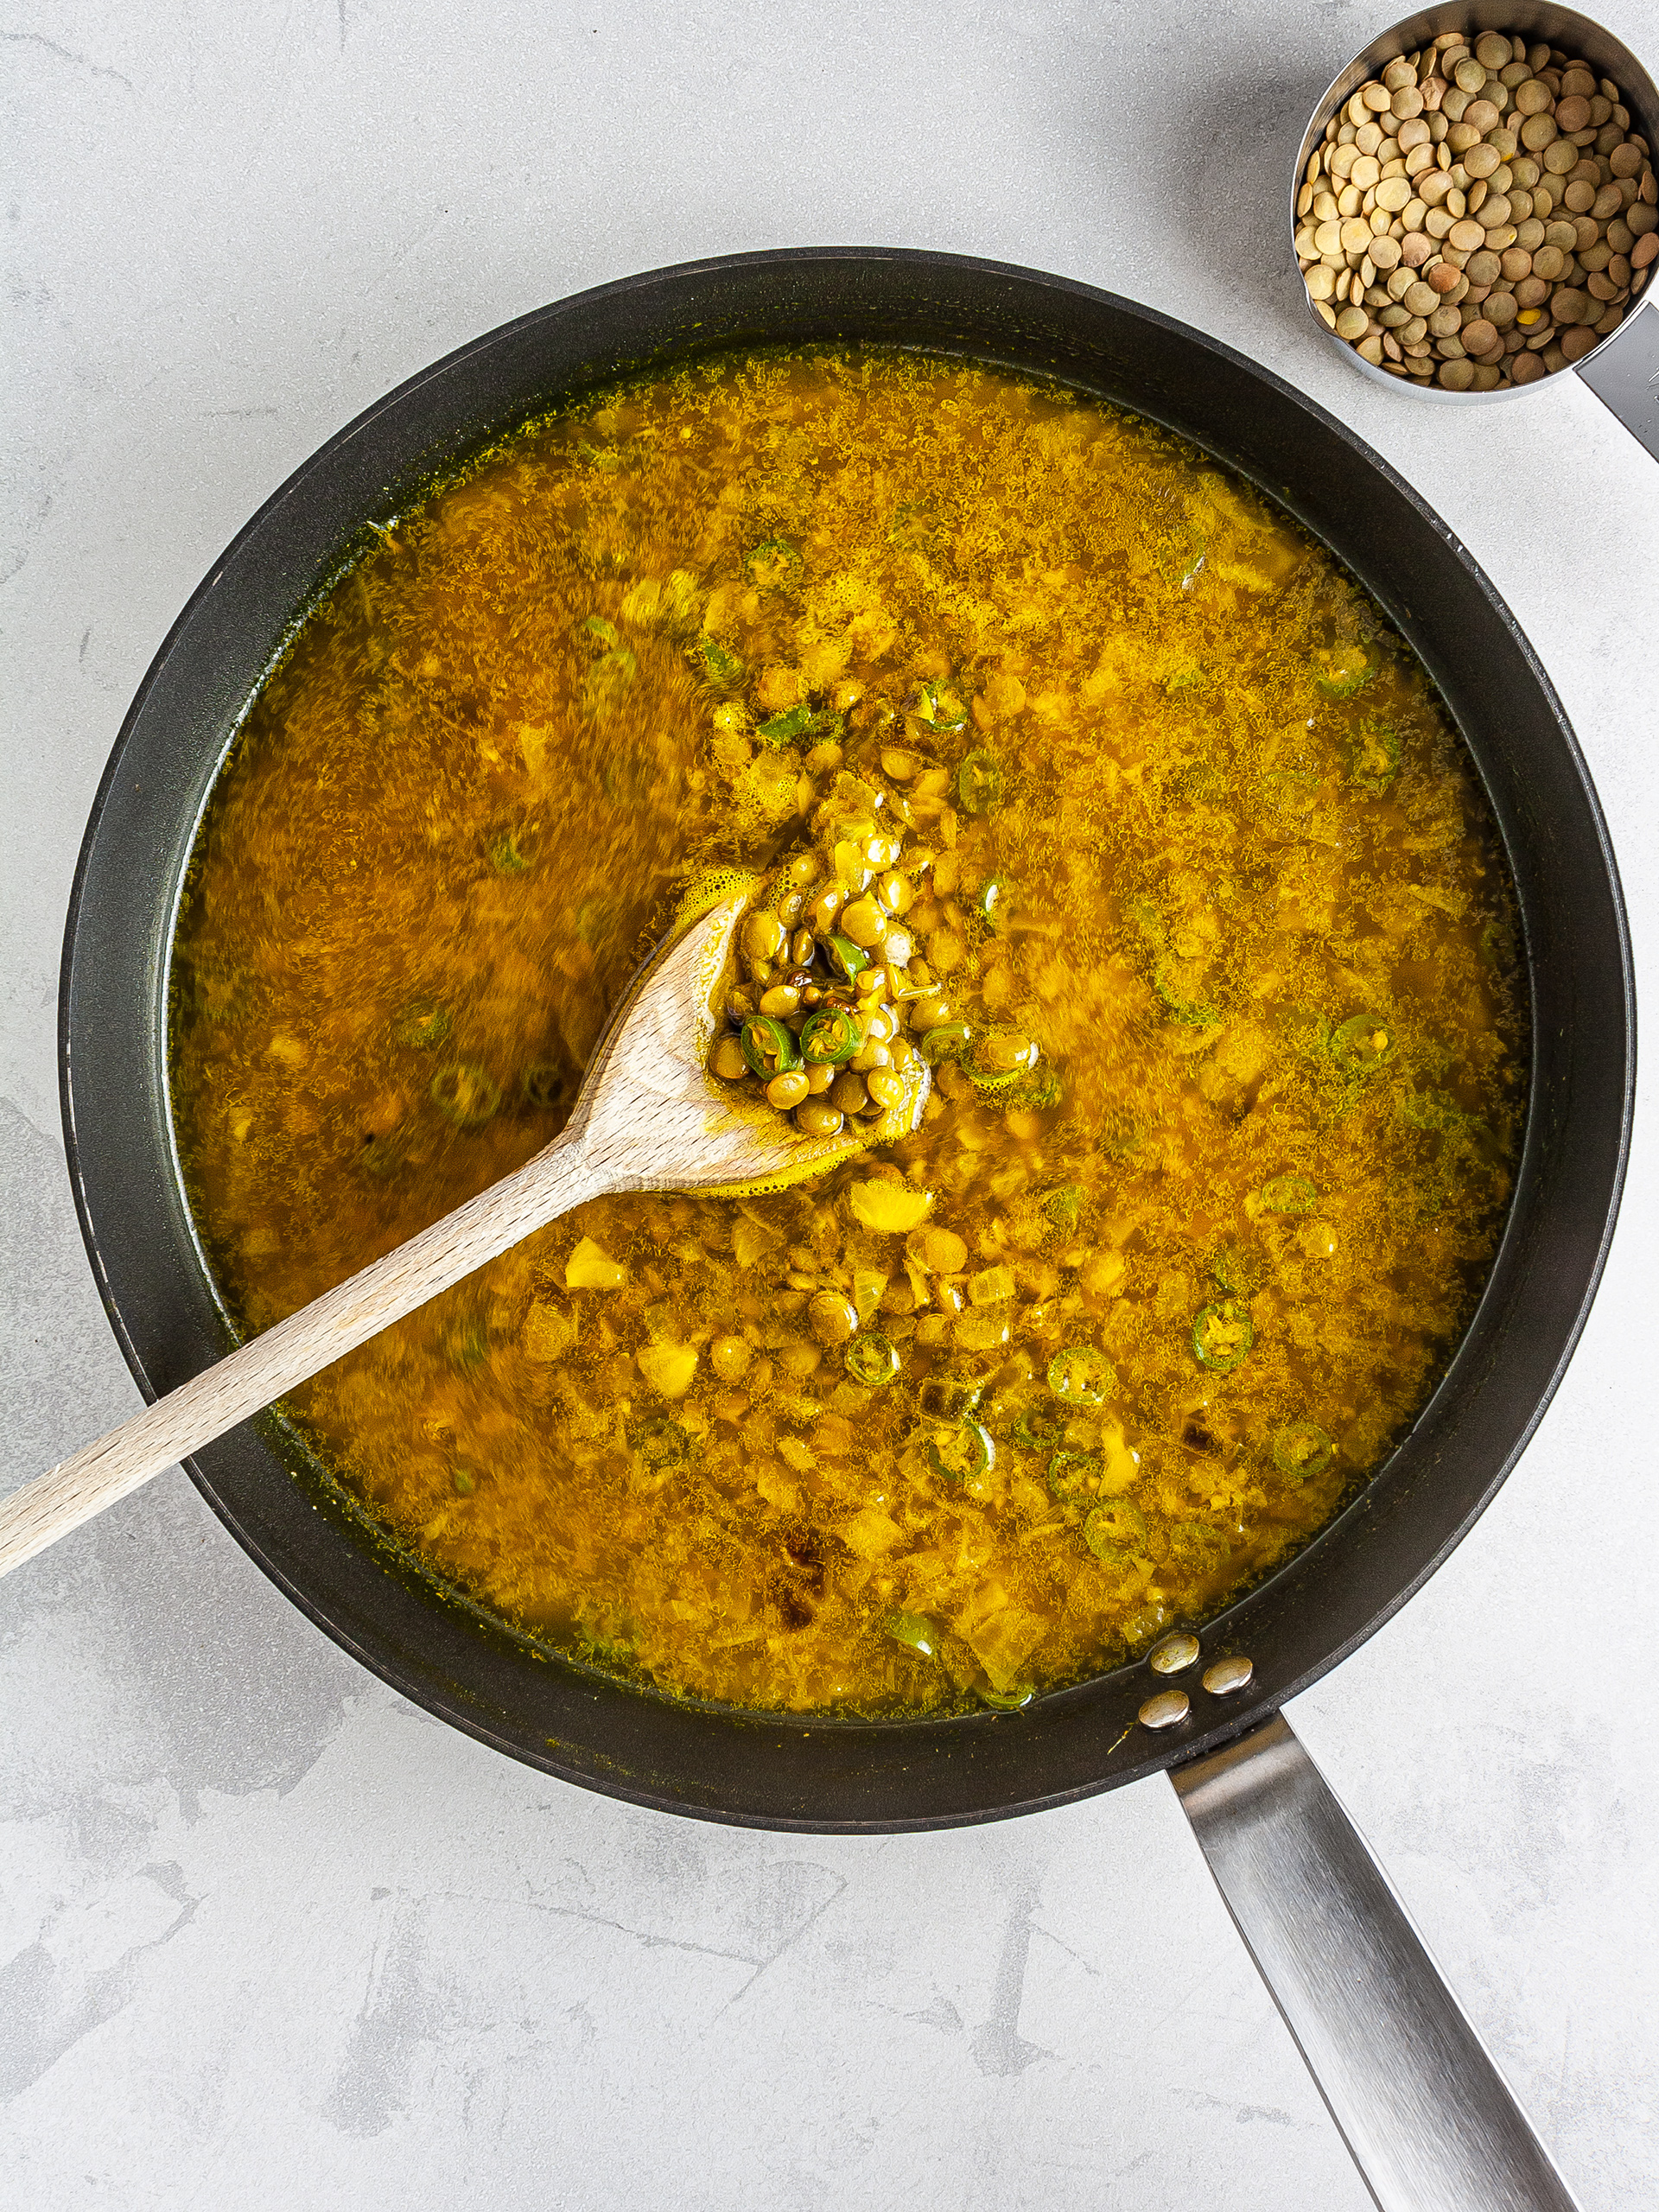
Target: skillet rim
(648, 1789)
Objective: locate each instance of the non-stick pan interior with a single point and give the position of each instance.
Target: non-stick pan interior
(822, 1774)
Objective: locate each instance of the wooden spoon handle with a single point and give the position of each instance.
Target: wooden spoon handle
(294, 1350)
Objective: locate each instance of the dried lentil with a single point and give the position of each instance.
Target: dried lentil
(1503, 184)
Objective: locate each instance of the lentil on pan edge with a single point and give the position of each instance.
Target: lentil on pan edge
(1246, 900)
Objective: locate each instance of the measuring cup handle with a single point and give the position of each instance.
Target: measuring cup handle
(1624, 373)
(1429, 2120)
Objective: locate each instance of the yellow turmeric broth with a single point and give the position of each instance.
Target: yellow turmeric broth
(1204, 939)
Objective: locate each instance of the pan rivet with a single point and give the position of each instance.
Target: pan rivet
(1173, 1653)
(1164, 1711)
(1227, 1676)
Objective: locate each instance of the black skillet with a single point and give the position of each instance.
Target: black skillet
(1421, 2106)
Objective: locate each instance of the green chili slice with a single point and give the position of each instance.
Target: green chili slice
(1221, 1335)
(979, 783)
(512, 852)
(1000, 1057)
(830, 1037)
(1192, 1012)
(466, 1482)
(773, 562)
(383, 1157)
(768, 1047)
(1064, 1206)
(1289, 1194)
(915, 1630)
(872, 1360)
(1196, 1545)
(940, 705)
(423, 1025)
(1301, 1449)
(465, 1095)
(1041, 1090)
(948, 1042)
(1008, 1702)
(784, 729)
(1038, 1430)
(960, 1450)
(1071, 1472)
(1373, 756)
(1362, 1043)
(722, 668)
(846, 959)
(1080, 1375)
(1114, 1529)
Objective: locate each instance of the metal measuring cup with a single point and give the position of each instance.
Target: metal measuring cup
(1622, 369)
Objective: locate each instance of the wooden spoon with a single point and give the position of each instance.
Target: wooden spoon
(650, 1117)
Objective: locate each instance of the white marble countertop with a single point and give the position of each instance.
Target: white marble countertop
(273, 1938)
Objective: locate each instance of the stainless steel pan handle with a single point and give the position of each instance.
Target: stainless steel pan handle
(1431, 2122)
